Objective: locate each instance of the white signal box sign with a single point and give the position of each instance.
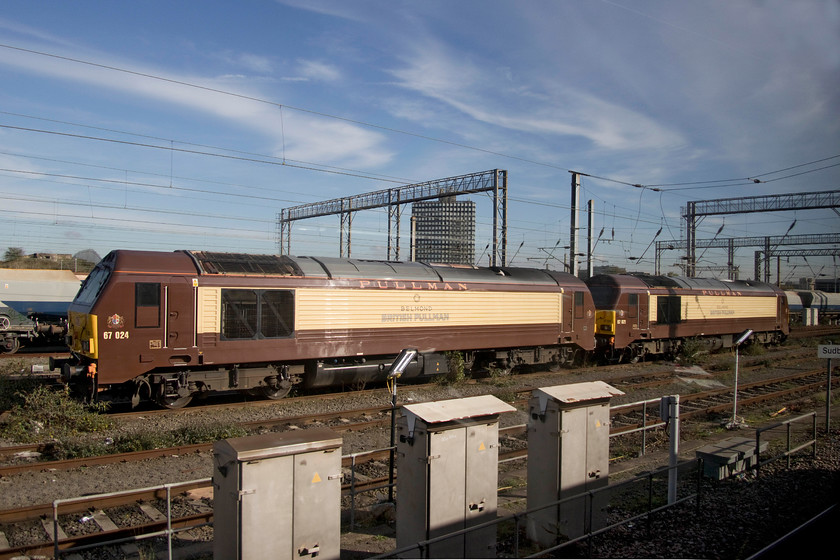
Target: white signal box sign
(828, 351)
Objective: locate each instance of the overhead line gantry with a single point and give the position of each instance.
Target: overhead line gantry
(494, 181)
(768, 243)
(747, 204)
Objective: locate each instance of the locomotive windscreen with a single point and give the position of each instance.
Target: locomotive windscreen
(604, 297)
(95, 281)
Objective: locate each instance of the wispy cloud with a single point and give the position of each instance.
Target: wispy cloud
(247, 62)
(317, 70)
(307, 137)
(32, 32)
(444, 75)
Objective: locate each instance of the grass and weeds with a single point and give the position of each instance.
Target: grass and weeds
(12, 389)
(753, 350)
(72, 429)
(693, 351)
(48, 414)
(189, 434)
(457, 371)
(499, 377)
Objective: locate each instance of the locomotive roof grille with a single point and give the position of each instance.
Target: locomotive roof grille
(637, 280)
(243, 263)
(700, 283)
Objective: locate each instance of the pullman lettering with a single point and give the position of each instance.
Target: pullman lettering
(397, 285)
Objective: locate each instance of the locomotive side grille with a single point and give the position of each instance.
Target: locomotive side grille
(209, 303)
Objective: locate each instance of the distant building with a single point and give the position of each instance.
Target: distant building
(88, 255)
(829, 285)
(444, 231)
(51, 256)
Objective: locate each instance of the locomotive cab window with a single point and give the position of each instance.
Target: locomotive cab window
(632, 305)
(578, 305)
(147, 304)
(256, 314)
(93, 284)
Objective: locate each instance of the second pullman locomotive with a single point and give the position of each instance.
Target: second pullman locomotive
(640, 315)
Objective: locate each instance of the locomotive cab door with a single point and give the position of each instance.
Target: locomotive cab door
(179, 301)
(644, 311)
(568, 311)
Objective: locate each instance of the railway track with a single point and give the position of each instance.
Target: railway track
(815, 331)
(626, 418)
(339, 420)
(40, 373)
(132, 513)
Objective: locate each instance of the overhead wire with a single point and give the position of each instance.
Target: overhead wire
(301, 109)
(753, 179)
(187, 189)
(171, 141)
(309, 167)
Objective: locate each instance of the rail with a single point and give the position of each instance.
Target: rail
(645, 426)
(168, 532)
(353, 490)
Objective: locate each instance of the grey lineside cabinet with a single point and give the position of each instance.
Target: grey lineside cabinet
(568, 455)
(447, 462)
(278, 496)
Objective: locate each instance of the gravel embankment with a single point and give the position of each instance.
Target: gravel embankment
(742, 515)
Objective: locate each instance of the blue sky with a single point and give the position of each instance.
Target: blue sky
(168, 125)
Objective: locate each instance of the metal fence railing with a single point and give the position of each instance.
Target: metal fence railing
(787, 438)
(791, 445)
(169, 532)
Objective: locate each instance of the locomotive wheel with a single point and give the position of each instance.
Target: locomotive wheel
(275, 393)
(614, 356)
(10, 345)
(173, 402)
(503, 367)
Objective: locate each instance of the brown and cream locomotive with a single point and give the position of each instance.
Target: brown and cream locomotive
(640, 315)
(170, 326)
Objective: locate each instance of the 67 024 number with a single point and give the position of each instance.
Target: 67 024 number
(116, 335)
